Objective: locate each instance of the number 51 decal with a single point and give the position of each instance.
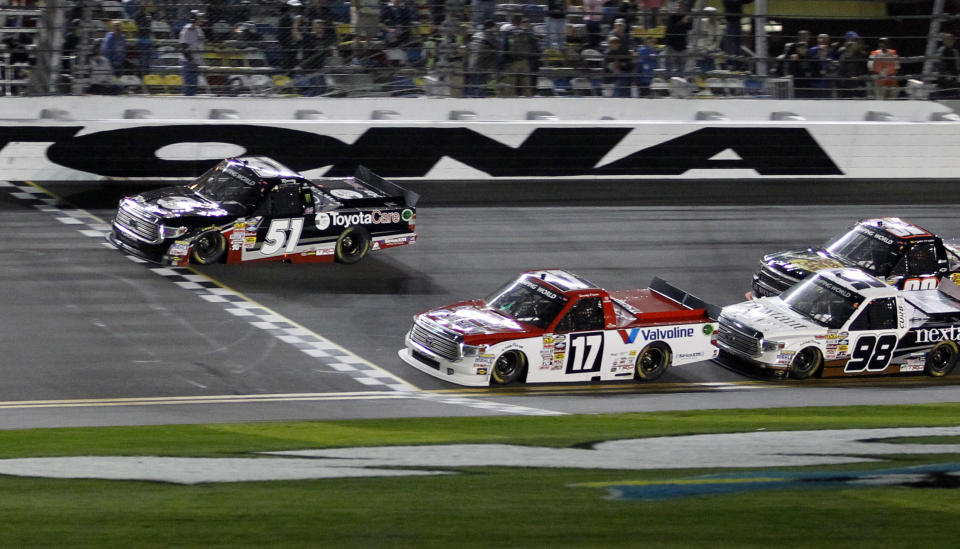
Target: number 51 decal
(871, 353)
(585, 353)
(277, 235)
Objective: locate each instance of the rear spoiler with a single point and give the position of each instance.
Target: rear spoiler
(666, 289)
(364, 175)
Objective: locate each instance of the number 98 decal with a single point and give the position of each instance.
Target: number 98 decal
(871, 354)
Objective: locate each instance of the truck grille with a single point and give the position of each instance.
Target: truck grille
(137, 223)
(439, 344)
(770, 282)
(734, 340)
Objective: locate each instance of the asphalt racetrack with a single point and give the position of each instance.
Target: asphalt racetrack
(90, 337)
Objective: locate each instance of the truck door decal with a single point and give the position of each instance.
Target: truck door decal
(585, 353)
(871, 354)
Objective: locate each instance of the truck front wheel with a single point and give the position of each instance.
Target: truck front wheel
(941, 359)
(508, 367)
(806, 363)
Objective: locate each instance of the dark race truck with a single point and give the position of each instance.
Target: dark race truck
(253, 209)
(901, 253)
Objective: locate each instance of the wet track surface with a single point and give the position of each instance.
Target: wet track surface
(92, 338)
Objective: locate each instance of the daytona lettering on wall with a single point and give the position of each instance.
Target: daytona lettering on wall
(415, 151)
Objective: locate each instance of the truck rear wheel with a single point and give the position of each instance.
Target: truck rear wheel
(941, 359)
(653, 361)
(806, 363)
(353, 244)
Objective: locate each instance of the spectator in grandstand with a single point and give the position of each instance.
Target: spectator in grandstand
(102, 77)
(71, 39)
(796, 63)
(316, 44)
(823, 67)
(593, 19)
(519, 58)
(884, 64)
(482, 59)
(651, 13)
(947, 68)
(144, 40)
(247, 35)
(114, 48)
(556, 24)
(852, 66)
(648, 61)
(705, 39)
(618, 62)
(288, 46)
(675, 55)
(192, 45)
(627, 10)
(481, 11)
(366, 28)
(397, 18)
(733, 10)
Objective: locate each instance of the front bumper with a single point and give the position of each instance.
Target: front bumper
(154, 254)
(462, 372)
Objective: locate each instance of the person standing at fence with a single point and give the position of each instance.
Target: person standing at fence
(852, 66)
(705, 39)
(796, 63)
(520, 53)
(557, 24)
(733, 10)
(823, 63)
(651, 13)
(618, 63)
(366, 29)
(884, 64)
(948, 68)
(192, 45)
(114, 48)
(593, 19)
(285, 38)
(144, 40)
(675, 55)
(482, 59)
(648, 61)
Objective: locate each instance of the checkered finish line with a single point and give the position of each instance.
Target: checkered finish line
(328, 353)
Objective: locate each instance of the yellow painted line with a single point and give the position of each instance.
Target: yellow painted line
(247, 299)
(213, 399)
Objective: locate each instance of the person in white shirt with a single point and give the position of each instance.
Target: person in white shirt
(191, 44)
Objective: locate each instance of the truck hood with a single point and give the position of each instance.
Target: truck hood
(803, 263)
(472, 318)
(771, 317)
(174, 202)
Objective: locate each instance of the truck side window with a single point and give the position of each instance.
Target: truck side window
(586, 314)
(880, 314)
(922, 258)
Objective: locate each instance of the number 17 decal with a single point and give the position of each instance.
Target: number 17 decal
(585, 353)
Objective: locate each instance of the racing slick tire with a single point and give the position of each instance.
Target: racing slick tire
(508, 367)
(806, 363)
(941, 359)
(209, 247)
(352, 245)
(653, 361)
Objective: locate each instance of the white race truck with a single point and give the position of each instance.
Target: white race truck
(845, 322)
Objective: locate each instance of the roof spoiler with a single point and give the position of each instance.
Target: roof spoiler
(668, 290)
(364, 174)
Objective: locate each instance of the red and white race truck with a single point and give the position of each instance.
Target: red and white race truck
(554, 326)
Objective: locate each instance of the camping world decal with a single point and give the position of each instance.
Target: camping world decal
(414, 151)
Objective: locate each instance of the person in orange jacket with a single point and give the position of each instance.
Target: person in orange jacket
(884, 64)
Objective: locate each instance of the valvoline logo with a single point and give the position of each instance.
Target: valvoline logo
(652, 334)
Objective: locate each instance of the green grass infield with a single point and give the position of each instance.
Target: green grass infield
(499, 505)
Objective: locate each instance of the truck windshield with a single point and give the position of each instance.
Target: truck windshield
(528, 302)
(224, 186)
(822, 301)
(874, 253)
